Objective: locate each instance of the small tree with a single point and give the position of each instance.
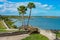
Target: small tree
(30, 6)
(22, 10)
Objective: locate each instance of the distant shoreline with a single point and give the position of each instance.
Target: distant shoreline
(31, 16)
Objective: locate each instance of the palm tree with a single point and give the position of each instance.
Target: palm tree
(30, 6)
(22, 10)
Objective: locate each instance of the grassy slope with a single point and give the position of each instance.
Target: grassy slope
(36, 37)
(9, 23)
(2, 25)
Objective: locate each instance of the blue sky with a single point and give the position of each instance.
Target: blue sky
(43, 7)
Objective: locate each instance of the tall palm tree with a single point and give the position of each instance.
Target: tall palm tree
(22, 10)
(30, 6)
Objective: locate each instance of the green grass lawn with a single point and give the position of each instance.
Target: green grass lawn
(4, 30)
(36, 37)
(58, 34)
(2, 25)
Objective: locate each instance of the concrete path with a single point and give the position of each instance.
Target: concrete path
(48, 34)
(5, 24)
(16, 37)
(12, 29)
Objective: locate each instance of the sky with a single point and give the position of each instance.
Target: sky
(43, 7)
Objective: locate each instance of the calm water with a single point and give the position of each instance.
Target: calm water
(44, 23)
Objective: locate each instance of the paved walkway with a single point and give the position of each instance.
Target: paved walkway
(5, 24)
(16, 37)
(48, 34)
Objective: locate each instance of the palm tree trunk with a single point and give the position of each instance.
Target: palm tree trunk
(29, 18)
(22, 19)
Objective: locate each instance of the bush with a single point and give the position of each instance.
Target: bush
(30, 29)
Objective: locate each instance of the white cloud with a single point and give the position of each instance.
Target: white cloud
(50, 6)
(44, 6)
(3, 0)
(1, 6)
(11, 6)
